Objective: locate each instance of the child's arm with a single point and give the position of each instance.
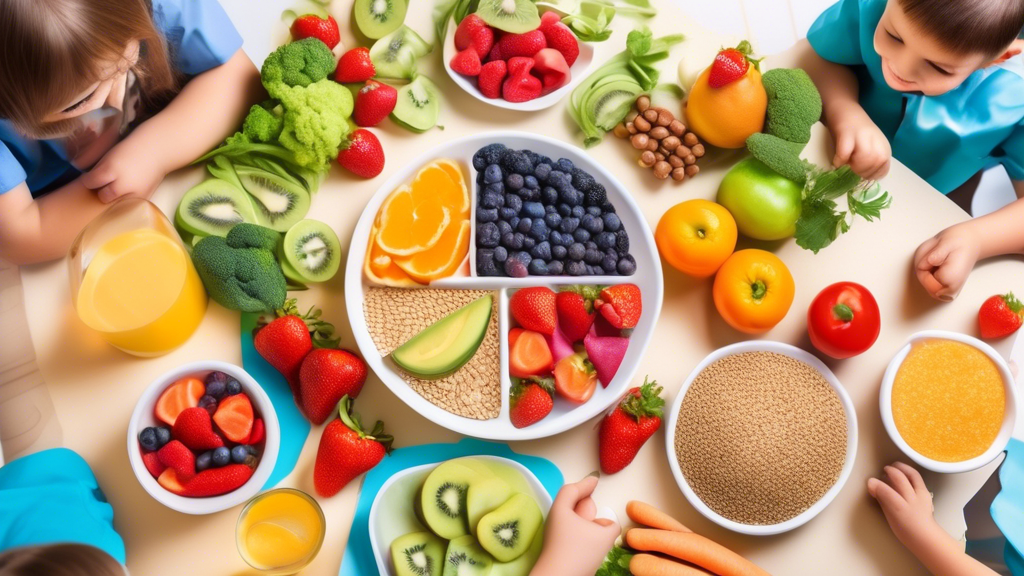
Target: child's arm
(944, 262)
(859, 142)
(208, 109)
(40, 230)
(575, 541)
(907, 506)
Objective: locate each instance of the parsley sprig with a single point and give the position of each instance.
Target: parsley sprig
(821, 220)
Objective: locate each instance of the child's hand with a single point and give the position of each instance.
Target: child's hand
(127, 168)
(907, 506)
(861, 144)
(575, 542)
(943, 263)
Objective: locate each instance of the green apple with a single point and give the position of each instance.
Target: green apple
(765, 204)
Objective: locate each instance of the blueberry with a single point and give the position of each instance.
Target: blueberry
(253, 450)
(552, 219)
(217, 388)
(622, 242)
(514, 202)
(558, 252)
(533, 210)
(524, 225)
(209, 403)
(221, 456)
(608, 207)
(576, 251)
(478, 162)
(605, 240)
(564, 210)
(516, 265)
(583, 181)
(500, 254)
(516, 161)
(485, 215)
(568, 240)
(203, 461)
(513, 222)
(485, 265)
(581, 235)
(565, 165)
(568, 225)
(591, 271)
(555, 267)
(593, 256)
(594, 210)
(596, 225)
(542, 250)
(490, 154)
(233, 387)
(487, 235)
(529, 243)
(492, 174)
(147, 439)
(627, 265)
(575, 268)
(611, 222)
(578, 212)
(495, 188)
(491, 200)
(238, 454)
(590, 245)
(597, 196)
(555, 237)
(530, 194)
(504, 227)
(518, 238)
(504, 215)
(530, 183)
(507, 238)
(539, 231)
(559, 180)
(514, 181)
(163, 435)
(533, 156)
(542, 170)
(549, 196)
(550, 209)
(609, 263)
(538, 267)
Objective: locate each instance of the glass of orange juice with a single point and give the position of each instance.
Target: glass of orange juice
(280, 531)
(133, 281)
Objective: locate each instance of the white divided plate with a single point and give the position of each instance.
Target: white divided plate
(579, 70)
(565, 415)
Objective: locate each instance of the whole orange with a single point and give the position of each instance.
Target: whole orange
(753, 291)
(726, 116)
(696, 237)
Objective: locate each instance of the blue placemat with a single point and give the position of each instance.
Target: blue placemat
(294, 426)
(358, 558)
(1008, 507)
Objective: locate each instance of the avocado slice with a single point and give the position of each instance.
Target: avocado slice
(446, 345)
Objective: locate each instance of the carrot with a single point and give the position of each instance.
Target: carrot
(695, 549)
(648, 565)
(646, 515)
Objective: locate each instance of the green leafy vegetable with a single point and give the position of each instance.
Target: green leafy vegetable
(821, 221)
(240, 271)
(616, 563)
(590, 19)
(298, 63)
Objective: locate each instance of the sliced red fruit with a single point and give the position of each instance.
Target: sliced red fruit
(169, 480)
(176, 455)
(217, 481)
(184, 393)
(258, 432)
(575, 378)
(152, 463)
(551, 67)
(234, 417)
(466, 62)
(528, 354)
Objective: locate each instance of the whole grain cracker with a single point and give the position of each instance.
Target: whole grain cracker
(394, 315)
(761, 437)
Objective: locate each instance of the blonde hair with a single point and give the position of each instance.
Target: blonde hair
(52, 50)
(59, 560)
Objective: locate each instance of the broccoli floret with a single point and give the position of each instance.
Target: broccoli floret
(779, 155)
(264, 122)
(298, 63)
(315, 121)
(794, 104)
(240, 271)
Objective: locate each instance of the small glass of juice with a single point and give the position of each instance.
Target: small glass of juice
(280, 531)
(132, 280)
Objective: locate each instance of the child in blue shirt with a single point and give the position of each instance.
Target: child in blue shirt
(100, 99)
(940, 87)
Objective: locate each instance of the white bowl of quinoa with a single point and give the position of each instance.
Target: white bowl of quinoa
(761, 437)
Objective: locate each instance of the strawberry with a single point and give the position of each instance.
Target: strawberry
(374, 102)
(1000, 316)
(534, 309)
(313, 26)
(346, 451)
(234, 417)
(532, 400)
(548, 18)
(526, 44)
(495, 54)
(362, 155)
(152, 463)
(285, 341)
(259, 432)
(575, 308)
(212, 482)
(519, 66)
(176, 455)
(355, 66)
(521, 86)
(575, 378)
(620, 305)
(491, 76)
(732, 64)
(633, 422)
(184, 393)
(195, 430)
(327, 376)
(474, 33)
(466, 62)
(550, 66)
(561, 38)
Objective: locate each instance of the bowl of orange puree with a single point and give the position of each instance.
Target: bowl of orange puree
(948, 401)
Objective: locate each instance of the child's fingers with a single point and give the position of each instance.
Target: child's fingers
(97, 178)
(899, 481)
(107, 194)
(586, 508)
(921, 254)
(913, 475)
(880, 172)
(571, 494)
(932, 286)
(844, 149)
(610, 529)
(887, 497)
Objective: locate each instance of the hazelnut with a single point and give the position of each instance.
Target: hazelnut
(651, 115)
(647, 159)
(682, 151)
(659, 132)
(690, 139)
(665, 117)
(662, 170)
(675, 161)
(698, 150)
(670, 143)
(652, 144)
(639, 141)
(641, 124)
(692, 171)
(631, 128)
(691, 159)
(663, 151)
(676, 127)
(659, 156)
(679, 174)
(643, 103)
(621, 131)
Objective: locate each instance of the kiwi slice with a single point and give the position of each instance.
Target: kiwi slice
(376, 18)
(279, 203)
(523, 565)
(418, 106)
(443, 499)
(395, 55)
(515, 16)
(212, 208)
(507, 532)
(483, 497)
(418, 554)
(312, 250)
(465, 557)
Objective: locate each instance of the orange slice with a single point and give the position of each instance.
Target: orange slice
(412, 220)
(380, 267)
(458, 196)
(443, 259)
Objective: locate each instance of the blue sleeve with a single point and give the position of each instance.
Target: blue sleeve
(12, 172)
(835, 35)
(52, 497)
(1011, 153)
(199, 33)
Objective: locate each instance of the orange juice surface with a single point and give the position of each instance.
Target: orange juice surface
(948, 400)
(280, 529)
(142, 293)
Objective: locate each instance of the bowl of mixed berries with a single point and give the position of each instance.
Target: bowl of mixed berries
(203, 438)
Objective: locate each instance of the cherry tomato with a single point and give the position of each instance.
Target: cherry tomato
(843, 320)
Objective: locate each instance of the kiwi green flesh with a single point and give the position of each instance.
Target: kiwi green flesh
(611, 101)
(212, 208)
(418, 554)
(514, 16)
(523, 565)
(313, 251)
(485, 496)
(378, 18)
(394, 55)
(507, 532)
(465, 557)
(418, 106)
(443, 499)
(278, 203)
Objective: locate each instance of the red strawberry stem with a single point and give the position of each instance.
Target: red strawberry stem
(351, 420)
(321, 332)
(645, 402)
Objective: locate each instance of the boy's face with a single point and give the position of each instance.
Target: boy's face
(913, 61)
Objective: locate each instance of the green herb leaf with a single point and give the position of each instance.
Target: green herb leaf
(869, 203)
(831, 184)
(819, 224)
(616, 563)
(638, 42)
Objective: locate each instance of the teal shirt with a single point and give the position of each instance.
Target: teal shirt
(52, 497)
(945, 139)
